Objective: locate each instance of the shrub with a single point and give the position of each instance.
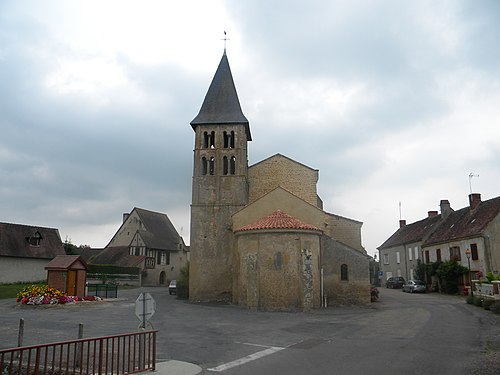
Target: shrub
(487, 303)
(478, 301)
(495, 307)
(183, 283)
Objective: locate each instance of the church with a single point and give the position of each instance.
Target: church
(260, 237)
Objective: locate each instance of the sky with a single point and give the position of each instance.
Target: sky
(396, 103)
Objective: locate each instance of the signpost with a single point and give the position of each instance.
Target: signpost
(145, 307)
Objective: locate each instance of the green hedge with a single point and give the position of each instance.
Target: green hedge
(109, 269)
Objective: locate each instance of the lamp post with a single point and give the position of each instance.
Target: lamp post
(467, 254)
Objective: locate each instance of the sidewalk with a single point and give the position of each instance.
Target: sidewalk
(173, 367)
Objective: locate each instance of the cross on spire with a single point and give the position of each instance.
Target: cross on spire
(225, 39)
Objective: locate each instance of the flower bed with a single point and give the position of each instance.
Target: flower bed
(38, 294)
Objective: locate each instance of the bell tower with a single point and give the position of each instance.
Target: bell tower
(220, 187)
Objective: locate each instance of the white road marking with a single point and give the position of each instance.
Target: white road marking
(248, 358)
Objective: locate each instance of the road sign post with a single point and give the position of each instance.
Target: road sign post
(145, 307)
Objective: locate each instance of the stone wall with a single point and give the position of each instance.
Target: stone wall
(345, 230)
(14, 270)
(356, 289)
(278, 270)
(279, 170)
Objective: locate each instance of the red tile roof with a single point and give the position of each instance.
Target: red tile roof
(278, 220)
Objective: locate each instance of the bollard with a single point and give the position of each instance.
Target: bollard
(79, 345)
(20, 335)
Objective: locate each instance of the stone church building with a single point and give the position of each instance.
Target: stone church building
(259, 235)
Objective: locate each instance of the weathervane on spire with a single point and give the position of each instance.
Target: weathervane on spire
(225, 40)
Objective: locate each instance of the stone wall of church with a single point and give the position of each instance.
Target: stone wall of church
(278, 270)
(281, 171)
(354, 288)
(344, 230)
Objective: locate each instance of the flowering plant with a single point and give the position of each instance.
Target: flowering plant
(38, 290)
(41, 294)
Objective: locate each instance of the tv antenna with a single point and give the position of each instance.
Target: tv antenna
(471, 176)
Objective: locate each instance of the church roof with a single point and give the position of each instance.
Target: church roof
(278, 220)
(221, 104)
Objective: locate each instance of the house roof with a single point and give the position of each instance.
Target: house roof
(65, 262)
(278, 220)
(118, 256)
(221, 104)
(15, 241)
(414, 232)
(159, 231)
(465, 222)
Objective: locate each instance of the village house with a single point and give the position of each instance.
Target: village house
(25, 250)
(149, 241)
(447, 236)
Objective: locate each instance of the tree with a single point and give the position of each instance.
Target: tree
(448, 273)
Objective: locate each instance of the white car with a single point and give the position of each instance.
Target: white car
(172, 287)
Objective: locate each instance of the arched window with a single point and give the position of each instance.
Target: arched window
(212, 166)
(205, 139)
(232, 165)
(344, 272)
(278, 260)
(204, 165)
(212, 139)
(231, 143)
(226, 140)
(225, 165)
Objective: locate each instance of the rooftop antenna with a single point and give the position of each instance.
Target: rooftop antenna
(399, 210)
(225, 39)
(470, 180)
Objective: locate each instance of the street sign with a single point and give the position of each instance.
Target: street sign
(145, 307)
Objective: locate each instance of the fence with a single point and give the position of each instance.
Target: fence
(102, 290)
(119, 354)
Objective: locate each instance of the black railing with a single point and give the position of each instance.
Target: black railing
(119, 354)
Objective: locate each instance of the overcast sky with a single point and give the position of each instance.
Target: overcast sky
(393, 101)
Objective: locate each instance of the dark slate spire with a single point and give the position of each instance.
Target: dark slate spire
(221, 104)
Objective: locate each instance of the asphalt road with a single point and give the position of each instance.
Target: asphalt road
(401, 334)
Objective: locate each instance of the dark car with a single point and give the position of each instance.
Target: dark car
(172, 288)
(414, 286)
(395, 282)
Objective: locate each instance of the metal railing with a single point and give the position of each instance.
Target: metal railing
(119, 354)
(102, 290)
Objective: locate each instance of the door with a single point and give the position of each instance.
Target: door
(71, 283)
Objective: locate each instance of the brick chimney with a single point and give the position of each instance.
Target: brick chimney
(474, 200)
(125, 216)
(445, 208)
(432, 213)
(402, 223)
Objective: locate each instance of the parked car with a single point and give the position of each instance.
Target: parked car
(414, 286)
(172, 287)
(395, 282)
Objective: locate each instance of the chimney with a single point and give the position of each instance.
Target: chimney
(432, 213)
(402, 223)
(474, 200)
(125, 216)
(445, 208)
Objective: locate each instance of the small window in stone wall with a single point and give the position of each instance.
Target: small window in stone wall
(278, 260)
(344, 272)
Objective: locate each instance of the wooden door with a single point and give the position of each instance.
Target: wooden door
(71, 283)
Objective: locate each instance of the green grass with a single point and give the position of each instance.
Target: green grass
(10, 290)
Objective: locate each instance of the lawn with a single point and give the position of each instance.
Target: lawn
(10, 290)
